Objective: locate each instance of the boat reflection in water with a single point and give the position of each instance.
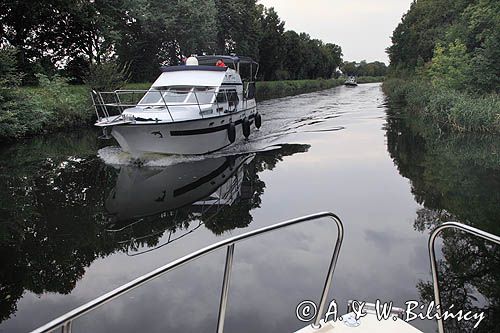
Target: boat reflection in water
(218, 193)
(175, 195)
(142, 191)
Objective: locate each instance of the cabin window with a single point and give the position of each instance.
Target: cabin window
(170, 95)
(228, 95)
(221, 96)
(204, 95)
(250, 92)
(232, 96)
(176, 94)
(152, 97)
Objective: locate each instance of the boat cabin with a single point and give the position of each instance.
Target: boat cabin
(198, 87)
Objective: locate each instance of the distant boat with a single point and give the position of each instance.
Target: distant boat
(351, 81)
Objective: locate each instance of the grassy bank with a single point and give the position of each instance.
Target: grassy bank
(56, 105)
(50, 107)
(445, 108)
(276, 89)
(370, 79)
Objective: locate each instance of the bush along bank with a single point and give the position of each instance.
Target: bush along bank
(276, 89)
(446, 108)
(52, 106)
(370, 79)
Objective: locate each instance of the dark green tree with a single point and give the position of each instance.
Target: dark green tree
(238, 28)
(271, 44)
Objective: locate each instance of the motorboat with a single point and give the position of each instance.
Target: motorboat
(199, 107)
(351, 81)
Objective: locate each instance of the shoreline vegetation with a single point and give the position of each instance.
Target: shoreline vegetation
(443, 108)
(55, 105)
(446, 71)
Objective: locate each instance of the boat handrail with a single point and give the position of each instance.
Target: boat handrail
(65, 321)
(104, 100)
(432, 255)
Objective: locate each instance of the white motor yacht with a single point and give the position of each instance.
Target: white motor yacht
(351, 81)
(195, 108)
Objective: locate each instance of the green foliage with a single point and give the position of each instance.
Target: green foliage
(9, 75)
(104, 44)
(272, 46)
(12, 101)
(238, 27)
(309, 58)
(450, 66)
(106, 76)
(363, 68)
(276, 89)
(62, 37)
(16, 119)
(54, 105)
(446, 108)
(370, 79)
(414, 39)
(481, 23)
(64, 107)
(458, 41)
(452, 48)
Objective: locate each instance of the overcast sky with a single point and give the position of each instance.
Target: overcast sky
(361, 27)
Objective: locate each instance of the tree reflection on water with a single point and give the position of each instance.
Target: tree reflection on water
(455, 178)
(58, 215)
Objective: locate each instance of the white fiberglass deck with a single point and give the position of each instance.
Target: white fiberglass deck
(367, 324)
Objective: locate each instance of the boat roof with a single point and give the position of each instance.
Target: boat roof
(209, 76)
(209, 59)
(207, 64)
(166, 69)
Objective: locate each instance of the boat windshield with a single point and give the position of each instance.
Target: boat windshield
(178, 95)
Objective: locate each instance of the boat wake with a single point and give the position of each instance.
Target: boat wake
(115, 156)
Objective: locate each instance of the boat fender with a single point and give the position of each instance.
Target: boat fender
(246, 127)
(231, 132)
(258, 120)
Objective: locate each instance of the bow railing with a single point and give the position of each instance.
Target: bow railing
(65, 321)
(109, 105)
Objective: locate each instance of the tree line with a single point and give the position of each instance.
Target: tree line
(454, 43)
(363, 68)
(70, 37)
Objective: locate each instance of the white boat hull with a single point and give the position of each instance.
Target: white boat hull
(193, 137)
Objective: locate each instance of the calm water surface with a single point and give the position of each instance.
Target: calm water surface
(79, 219)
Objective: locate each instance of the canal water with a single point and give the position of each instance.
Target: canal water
(80, 218)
